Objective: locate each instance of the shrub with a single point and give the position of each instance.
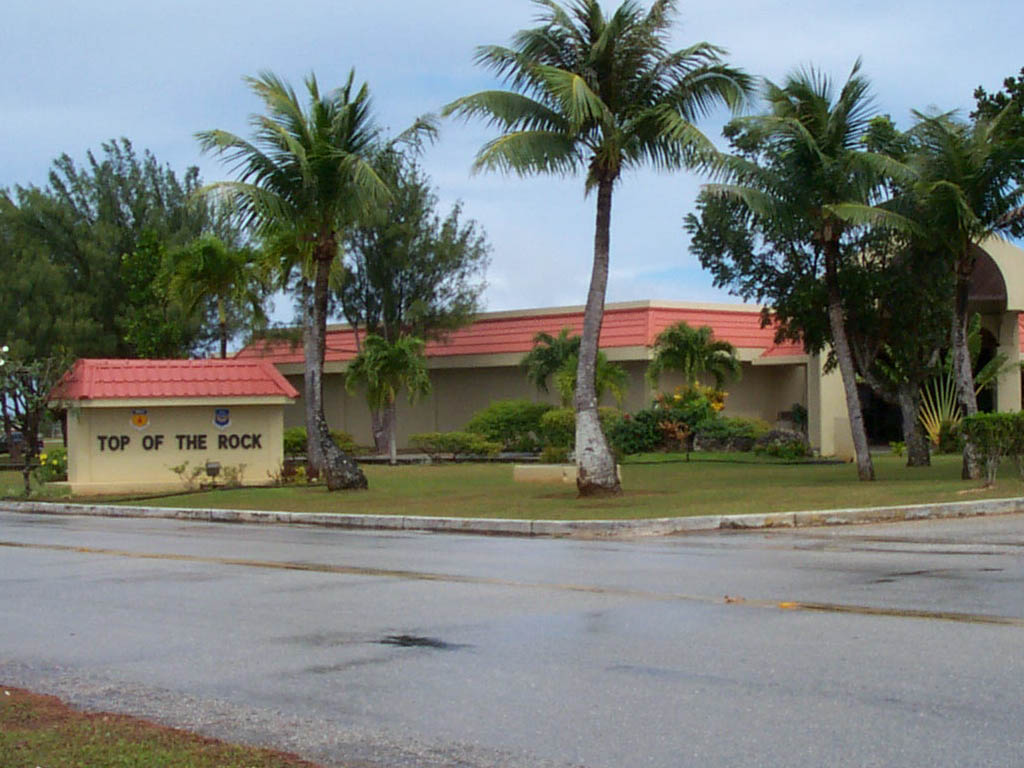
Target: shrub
(800, 417)
(638, 433)
(190, 476)
(558, 425)
(439, 445)
(898, 448)
(696, 401)
(995, 435)
(949, 437)
(783, 444)
(558, 428)
(513, 423)
(53, 465)
(233, 475)
(729, 434)
(295, 441)
(553, 454)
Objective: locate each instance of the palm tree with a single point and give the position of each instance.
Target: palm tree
(691, 352)
(602, 94)
(609, 378)
(384, 367)
(548, 356)
(968, 179)
(820, 176)
(307, 174)
(558, 357)
(207, 269)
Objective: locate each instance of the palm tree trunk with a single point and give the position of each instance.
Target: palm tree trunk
(962, 373)
(392, 444)
(342, 472)
(837, 324)
(595, 465)
(311, 384)
(913, 433)
(222, 324)
(381, 431)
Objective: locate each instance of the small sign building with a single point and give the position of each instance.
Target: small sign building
(147, 425)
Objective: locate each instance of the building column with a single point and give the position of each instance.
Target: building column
(828, 425)
(1008, 383)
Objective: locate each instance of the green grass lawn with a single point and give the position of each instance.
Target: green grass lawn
(38, 731)
(706, 485)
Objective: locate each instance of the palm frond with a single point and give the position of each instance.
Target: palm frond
(508, 111)
(529, 152)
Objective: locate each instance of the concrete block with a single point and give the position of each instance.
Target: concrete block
(549, 473)
(544, 473)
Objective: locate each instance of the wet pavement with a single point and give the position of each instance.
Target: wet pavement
(898, 644)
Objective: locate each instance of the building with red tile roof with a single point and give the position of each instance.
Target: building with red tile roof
(154, 380)
(629, 329)
(159, 425)
(478, 364)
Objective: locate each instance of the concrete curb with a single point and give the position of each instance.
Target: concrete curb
(661, 526)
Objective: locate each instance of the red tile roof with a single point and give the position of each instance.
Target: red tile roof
(502, 332)
(146, 379)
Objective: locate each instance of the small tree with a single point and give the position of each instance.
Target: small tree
(385, 367)
(609, 378)
(408, 269)
(26, 385)
(558, 357)
(548, 356)
(691, 352)
(207, 270)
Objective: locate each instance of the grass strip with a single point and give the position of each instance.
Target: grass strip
(42, 731)
(669, 489)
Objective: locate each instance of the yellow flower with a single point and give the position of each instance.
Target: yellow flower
(42, 457)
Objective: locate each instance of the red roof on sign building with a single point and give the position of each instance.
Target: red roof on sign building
(628, 325)
(141, 379)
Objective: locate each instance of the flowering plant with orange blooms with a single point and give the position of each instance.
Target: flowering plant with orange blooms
(691, 396)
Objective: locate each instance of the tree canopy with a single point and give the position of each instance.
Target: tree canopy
(100, 231)
(408, 269)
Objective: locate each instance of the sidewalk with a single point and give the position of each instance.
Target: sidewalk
(506, 527)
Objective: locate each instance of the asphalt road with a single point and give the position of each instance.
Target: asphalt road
(896, 645)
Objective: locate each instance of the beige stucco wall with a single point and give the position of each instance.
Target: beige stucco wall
(828, 424)
(97, 464)
(458, 393)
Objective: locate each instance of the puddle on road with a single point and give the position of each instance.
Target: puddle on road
(418, 641)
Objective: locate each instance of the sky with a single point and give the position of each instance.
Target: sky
(80, 73)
